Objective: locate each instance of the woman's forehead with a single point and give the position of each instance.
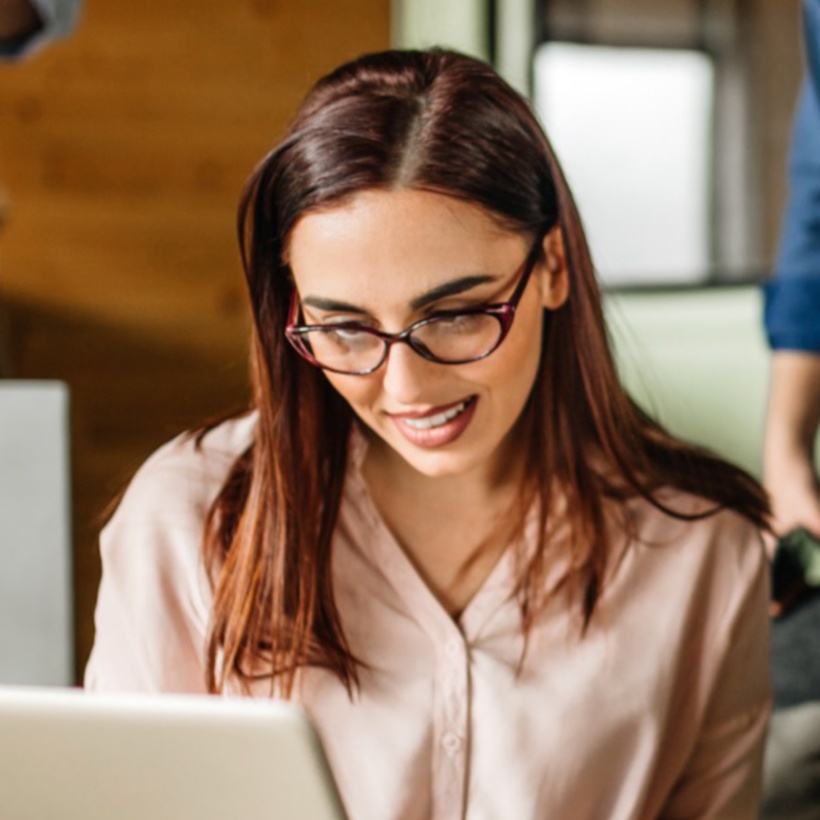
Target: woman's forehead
(402, 241)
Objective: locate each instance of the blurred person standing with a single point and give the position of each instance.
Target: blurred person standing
(792, 316)
(27, 25)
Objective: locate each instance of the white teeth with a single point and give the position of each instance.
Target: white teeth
(428, 422)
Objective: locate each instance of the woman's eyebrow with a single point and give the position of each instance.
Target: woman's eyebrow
(451, 288)
(331, 305)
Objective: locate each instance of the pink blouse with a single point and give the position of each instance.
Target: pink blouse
(659, 711)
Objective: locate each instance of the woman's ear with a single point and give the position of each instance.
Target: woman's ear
(554, 276)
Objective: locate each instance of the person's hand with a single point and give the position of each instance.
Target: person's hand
(795, 497)
(791, 427)
(794, 492)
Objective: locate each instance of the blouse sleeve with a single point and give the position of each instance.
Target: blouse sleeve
(153, 602)
(722, 778)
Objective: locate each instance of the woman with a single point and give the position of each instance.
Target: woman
(444, 528)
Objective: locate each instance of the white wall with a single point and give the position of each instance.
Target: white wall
(698, 361)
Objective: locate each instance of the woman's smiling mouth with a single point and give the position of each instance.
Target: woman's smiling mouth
(436, 427)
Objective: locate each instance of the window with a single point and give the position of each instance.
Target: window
(648, 107)
(632, 128)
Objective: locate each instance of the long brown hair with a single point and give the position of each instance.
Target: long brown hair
(445, 123)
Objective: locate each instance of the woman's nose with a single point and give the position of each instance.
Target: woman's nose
(407, 376)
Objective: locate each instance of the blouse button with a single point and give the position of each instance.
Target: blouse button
(453, 648)
(451, 743)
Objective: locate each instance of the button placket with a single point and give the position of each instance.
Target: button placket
(452, 726)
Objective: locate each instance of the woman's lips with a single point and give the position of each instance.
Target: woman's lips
(437, 427)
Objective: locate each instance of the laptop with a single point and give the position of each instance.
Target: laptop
(36, 633)
(73, 755)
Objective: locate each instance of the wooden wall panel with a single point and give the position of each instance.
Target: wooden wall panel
(122, 154)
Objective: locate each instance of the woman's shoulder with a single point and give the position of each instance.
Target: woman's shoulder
(677, 515)
(178, 483)
(155, 597)
(693, 538)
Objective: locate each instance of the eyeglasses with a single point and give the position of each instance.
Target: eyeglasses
(446, 337)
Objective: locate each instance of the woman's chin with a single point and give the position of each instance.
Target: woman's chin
(395, 453)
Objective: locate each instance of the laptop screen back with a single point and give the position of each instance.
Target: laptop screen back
(67, 754)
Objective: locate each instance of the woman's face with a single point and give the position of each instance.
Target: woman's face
(381, 259)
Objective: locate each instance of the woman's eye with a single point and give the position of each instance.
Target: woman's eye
(346, 333)
(458, 322)
(348, 337)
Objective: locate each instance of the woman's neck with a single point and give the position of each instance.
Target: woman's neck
(452, 528)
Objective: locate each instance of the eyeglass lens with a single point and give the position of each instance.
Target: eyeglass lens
(448, 339)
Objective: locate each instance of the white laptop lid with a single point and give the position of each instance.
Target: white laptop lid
(76, 756)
